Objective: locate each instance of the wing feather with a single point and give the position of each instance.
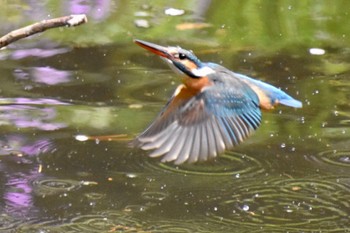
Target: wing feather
(174, 152)
(167, 145)
(186, 148)
(227, 134)
(199, 126)
(204, 143)
(196, 146)
(156, 141)
(211, 140)
(219, 141)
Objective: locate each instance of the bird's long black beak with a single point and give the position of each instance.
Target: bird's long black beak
(156, 49)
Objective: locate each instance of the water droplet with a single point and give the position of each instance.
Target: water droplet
(317, 51)
(141, 23)
(81, 138)
(245, 207)
(174, 12)
(131, 175)
(345, 159)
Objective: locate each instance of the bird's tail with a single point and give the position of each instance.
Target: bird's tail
(271, 93)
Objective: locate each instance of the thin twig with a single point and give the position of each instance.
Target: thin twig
(69, 21)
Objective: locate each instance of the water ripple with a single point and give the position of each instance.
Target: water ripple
(178, 227)
(113, 221)
(52, 186)
(295, 204)
(154, 196)
(231, 163)
(119, 221)
(8, 223)
(335, 157)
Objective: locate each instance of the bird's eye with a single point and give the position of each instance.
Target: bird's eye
(182, 56)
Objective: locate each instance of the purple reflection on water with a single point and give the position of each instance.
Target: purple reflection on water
(79, 6)
(15, 144)
(41, 146)
(19, 113)
(98, 10)
(47, 75)
(39, 101)
(40, 118)
(36, 52)
(50, 76)
(38, 147)
(18, 193)
(20, 171)
(24, 123)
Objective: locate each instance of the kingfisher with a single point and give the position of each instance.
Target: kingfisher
(213, 110)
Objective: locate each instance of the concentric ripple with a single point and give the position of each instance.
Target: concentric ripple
(294, 204)
(335, 157)
(8, 223)
(116, 221)
(154, 196)
(231, 163)
(176, 226)
(119, 221)
(45, 187)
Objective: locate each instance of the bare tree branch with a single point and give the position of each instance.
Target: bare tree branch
(69, 21)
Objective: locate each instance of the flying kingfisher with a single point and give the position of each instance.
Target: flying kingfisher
(213, 110)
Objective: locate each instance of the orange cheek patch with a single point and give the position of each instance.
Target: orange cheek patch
(189, 65)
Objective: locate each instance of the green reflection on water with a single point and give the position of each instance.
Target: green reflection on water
(269, 25)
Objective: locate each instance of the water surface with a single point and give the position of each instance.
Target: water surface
(292, 175)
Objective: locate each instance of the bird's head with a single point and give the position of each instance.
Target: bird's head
(179, 59)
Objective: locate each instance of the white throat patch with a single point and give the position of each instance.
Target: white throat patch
(204, 71)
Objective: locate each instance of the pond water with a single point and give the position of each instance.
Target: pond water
(292, 175)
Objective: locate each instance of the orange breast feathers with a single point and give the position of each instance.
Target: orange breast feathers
(196, 85)
(182, 94)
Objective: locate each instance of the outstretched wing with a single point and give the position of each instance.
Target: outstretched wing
(200, 126)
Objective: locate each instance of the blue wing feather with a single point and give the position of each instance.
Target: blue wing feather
(276, 95)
